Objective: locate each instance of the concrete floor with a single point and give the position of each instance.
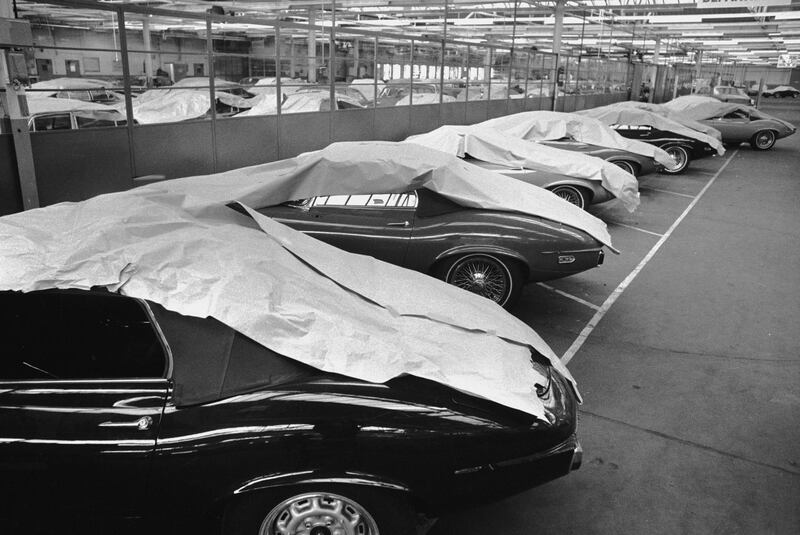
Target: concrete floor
(691, 380)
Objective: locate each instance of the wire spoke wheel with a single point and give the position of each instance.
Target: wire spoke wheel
(570, 194)
(625, 166)
(681, 158)
(483, 275)
(763, 140)
(318, 514)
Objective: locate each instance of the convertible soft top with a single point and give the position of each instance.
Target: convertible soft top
(626, 114)
(490, 145)
(178, 243)
(553, 125)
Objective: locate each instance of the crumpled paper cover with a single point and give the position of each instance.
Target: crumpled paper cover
(79, 107)
(554, 125)
(686, 119)
(178, 244)
(626, 114)
(493, 146)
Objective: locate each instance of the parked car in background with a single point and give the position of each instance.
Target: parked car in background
(635, 164)
(781, 91)
(84, 89)
(488, 252)
(399, 89)
(746, 124)
(735, 95)
(47, 114)
(683, 149)
(302, 101)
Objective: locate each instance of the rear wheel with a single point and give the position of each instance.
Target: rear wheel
(625, 166)
(681, 158)
(320, 511)
(489, 276)
(763, 140)
(571, 194)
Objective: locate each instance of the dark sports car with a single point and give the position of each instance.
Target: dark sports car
(488, 252)
(633, 163)
(115, 412)
(683, 149)
(746, 124)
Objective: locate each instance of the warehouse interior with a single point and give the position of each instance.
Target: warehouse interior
(682, 339)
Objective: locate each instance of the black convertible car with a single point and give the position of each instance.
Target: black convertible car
(116, 412)
(488, 252)
(683, 149)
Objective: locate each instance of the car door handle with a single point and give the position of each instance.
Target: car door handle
(398, 224)
(142, 424)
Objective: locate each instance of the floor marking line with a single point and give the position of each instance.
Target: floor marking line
(639, 229)
(569, 296)
(576, 345)
(667, 191)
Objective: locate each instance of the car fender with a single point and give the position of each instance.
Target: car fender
(482, 249)
(311, 477)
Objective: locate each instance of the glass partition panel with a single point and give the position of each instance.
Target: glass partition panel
(306, 72)
(570, 81)
(426, 73)
(519, 74)
(479, 67)
(500, 72)
(394, 69)
(454, 70)
(355, 65)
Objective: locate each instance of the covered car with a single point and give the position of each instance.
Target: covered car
(579, 133)
(85, 89)
(579, 179)
(66, 114)
(681, 142)
(170, 356)
(735, 95)
(781, 91)
(307, 100)
(737, 123)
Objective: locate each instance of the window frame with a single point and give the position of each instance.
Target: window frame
(166, 376)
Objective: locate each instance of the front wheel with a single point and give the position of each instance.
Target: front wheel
(571, 194)
(681, 158)
(763, 140)
(320, 512)
(486, 275)
(626, 166)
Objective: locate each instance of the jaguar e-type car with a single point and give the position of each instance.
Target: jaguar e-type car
(586, 135)
(736, 123)
(578, 178)
(781, 91)
(172, 364)
(684, 144)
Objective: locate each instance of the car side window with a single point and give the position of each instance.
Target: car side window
(376, 200)
(52, 122)
(66, 334)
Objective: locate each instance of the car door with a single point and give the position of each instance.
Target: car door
(82, 390)
(734, 126)
(378, 225)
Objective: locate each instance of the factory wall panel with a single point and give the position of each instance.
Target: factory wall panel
(244, 141)
(174, 149)
(477, 111)
(537, 103)
(353, 125)
(516, 105)
(73, 165)
(581, 102)
(391, 124)
(424, 118)
(10, 194)
(498, 108)
(454, 113)
(302, 132)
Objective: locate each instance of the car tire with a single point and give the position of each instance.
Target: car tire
(681, 157)
(571, 194)
(626, 166)
(493, 277)
(328, 508)
(763, 140)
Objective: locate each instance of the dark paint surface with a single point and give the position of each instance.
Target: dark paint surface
(642, 164)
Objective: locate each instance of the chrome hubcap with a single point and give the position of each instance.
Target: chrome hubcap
(318, 514)
(678, 157)
(481, 277)
(764, 139)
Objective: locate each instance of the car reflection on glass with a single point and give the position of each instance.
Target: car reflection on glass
(488, 252)
(116, 413)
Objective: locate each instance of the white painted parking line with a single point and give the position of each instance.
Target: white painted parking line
(579, 341)
(667, 191)
(638, 228)
(569, 296)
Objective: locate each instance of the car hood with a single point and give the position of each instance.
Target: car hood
(177, 243)
(627, 113)
(553, 125)
(490, 145)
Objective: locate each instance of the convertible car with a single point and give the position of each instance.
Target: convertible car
(488, 252)
(216, 369)
(97, 430)
(736, 123)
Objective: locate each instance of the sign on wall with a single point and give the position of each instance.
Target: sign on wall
(715, 4)
(787, 61)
